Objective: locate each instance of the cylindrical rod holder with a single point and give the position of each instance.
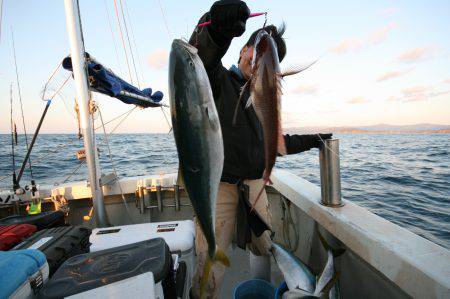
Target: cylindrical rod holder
(159, 198)
(141, 200)
(330, 173)
(176, 191)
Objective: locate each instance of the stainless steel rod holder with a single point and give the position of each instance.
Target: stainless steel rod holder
(176, 192)
(159, 198)
(330, 173)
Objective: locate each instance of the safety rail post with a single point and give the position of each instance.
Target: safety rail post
(330, 173)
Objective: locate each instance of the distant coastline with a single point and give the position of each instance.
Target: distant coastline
(376, 129)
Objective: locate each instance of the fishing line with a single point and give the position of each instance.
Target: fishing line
(20, 99)
(327, 147)
(167, 120)
(12, 138)
(49, 79)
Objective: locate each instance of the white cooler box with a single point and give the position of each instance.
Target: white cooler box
(141, 286)
(179, 236)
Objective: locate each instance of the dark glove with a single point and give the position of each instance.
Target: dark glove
(319, 139)
(228, 17)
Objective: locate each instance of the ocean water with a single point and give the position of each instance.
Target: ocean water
(403, 178)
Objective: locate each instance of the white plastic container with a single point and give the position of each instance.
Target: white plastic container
(179, 236)
(140, 286)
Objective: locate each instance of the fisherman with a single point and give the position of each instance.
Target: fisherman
(243, 141)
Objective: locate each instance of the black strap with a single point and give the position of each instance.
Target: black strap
(247, 220)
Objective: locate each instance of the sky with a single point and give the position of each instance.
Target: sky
(379, 61)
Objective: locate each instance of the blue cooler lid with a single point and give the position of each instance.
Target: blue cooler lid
(15, 268)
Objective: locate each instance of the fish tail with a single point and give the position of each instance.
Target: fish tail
(335, 251)
(220, 257)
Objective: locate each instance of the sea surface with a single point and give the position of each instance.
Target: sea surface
(403, 178)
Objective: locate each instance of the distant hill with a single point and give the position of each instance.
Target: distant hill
(376, 129)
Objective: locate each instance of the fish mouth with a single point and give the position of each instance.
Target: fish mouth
(179, 44)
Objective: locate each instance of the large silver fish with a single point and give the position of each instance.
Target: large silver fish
(198, 138)
(302, 283)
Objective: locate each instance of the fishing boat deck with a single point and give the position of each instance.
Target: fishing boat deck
(240, 271)
(381, 259)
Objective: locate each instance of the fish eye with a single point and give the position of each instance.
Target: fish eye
(191, 63)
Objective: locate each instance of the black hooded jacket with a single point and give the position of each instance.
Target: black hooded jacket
(243, 140)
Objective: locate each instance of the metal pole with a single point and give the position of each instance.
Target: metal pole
(36, 133)
(73, 23)
(330, 173)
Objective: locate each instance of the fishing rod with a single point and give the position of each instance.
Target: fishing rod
(24, 163)
(252, 15)
(13, 140)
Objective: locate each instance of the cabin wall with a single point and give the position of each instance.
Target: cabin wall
(357, 279)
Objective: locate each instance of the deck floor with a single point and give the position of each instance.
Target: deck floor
(240, 271)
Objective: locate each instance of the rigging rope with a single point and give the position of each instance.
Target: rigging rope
(123, 41)
(129, 43)
(112, 35)
(139, 57)
(114, 166)
(20, 99)
(1, 19)
(71, 174)
(118, 116)
(164, 19)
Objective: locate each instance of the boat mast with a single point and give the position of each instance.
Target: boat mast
(73, 23)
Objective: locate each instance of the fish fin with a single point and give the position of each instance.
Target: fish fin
(296, 69)
(297, 293)
(336, 251)
(220, 257)
(322, 281)
(330, 284)
(180, 179)
(205, 275)
(243, 90)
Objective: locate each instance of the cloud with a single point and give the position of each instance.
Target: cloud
(418, 93)
(357, 44)
(305, 89)
(416, 54)
(357, 100)
(381, 34)
(158, 59)
(388, 11)
(348, 45)
(392, 74)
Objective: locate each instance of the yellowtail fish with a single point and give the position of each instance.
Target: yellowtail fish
(199, 142)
